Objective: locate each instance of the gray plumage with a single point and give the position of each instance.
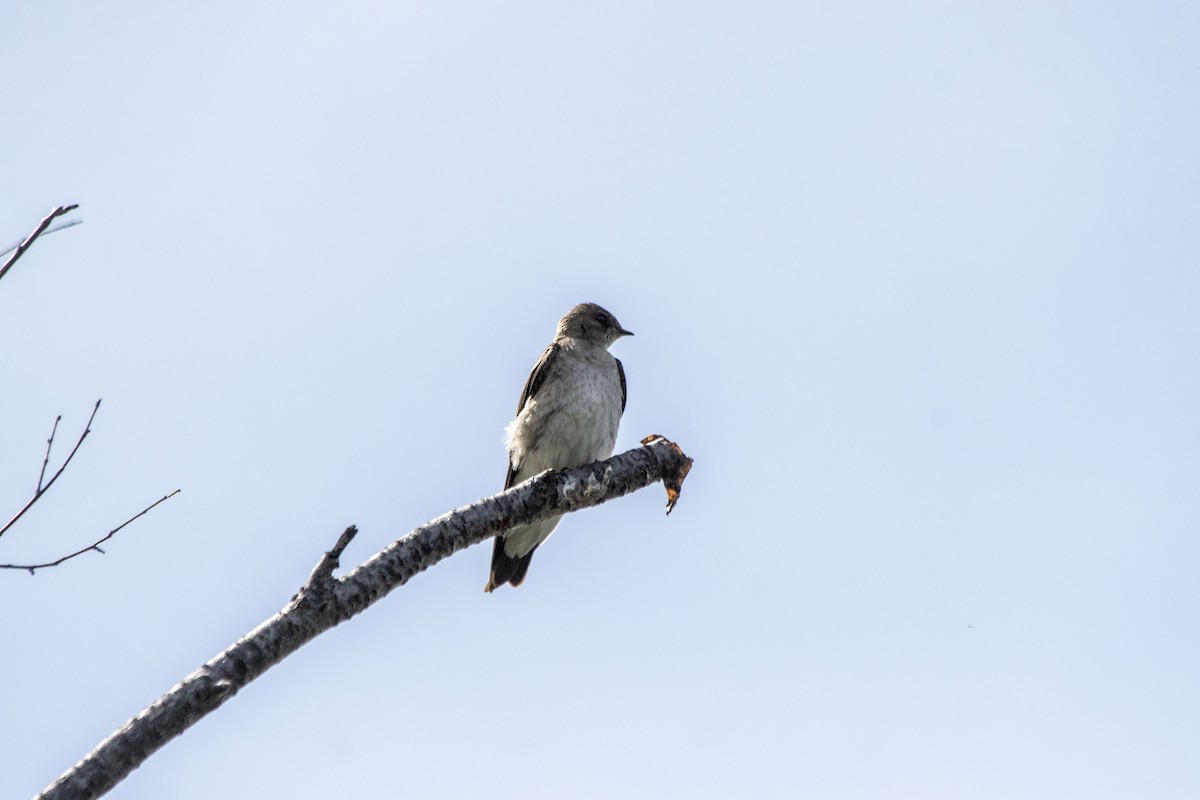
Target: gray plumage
(567, 417)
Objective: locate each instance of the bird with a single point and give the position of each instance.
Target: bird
(567, 416)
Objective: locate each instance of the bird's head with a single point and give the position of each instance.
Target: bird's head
(590, 323)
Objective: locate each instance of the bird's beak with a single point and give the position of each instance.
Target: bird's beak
(624, 332)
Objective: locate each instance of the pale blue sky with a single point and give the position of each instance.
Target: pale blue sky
(916, 287)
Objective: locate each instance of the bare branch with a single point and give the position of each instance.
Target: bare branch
(325, 601)
(41, 490)
(94, 545)
(38, 231)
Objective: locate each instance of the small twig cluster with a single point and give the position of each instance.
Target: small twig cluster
(44, 485)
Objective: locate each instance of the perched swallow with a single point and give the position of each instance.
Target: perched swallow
(567, 417)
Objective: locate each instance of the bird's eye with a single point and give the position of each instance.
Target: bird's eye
(602, 319)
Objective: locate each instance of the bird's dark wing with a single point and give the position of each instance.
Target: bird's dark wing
(621, 373)
(536, 378)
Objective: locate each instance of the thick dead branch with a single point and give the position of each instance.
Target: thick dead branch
(42, 488)
(325, 601)
(94, 546)
(20, 249)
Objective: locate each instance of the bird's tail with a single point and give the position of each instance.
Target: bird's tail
(506, 568)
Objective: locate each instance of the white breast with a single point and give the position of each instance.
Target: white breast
(573, 418)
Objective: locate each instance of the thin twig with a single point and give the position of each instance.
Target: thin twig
(38, 231)
(62, 226)
(41, 490)
(49, 444)
(94, 545)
